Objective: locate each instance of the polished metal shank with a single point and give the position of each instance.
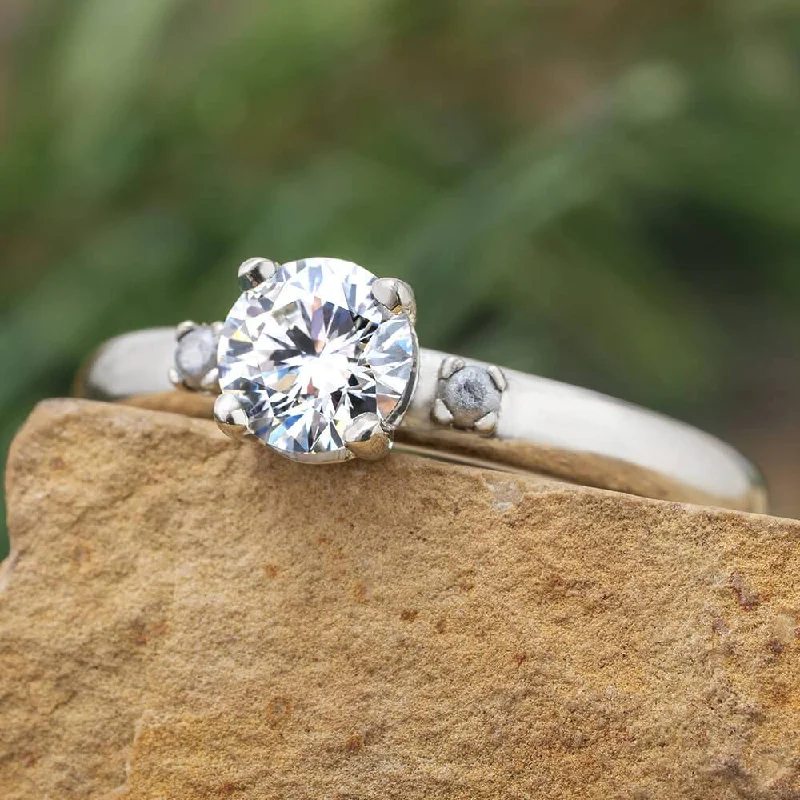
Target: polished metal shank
(541, 426)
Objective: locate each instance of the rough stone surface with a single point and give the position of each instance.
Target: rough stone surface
(185, 618)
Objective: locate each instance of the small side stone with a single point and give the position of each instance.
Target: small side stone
(470, 394)
(196, 353)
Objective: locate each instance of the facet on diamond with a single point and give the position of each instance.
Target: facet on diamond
(309, 351)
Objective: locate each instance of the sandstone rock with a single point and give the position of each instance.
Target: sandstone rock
(183, 618)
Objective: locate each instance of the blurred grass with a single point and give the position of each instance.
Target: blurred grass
(600, 192)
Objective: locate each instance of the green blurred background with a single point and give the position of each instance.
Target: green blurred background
(601, 191)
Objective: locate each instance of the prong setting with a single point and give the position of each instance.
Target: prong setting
(441, 413)
(187, 326)
(255, 271)
(498, 378)
(487, 425)
(175, 379)
(230, 416)
(210, 381)
(450, 366)
(366, 438)
(396, 296)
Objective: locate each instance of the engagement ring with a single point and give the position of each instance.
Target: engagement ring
(318, 360)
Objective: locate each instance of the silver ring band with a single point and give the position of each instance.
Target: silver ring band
(541, 426)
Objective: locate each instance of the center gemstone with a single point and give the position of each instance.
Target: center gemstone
(309, 351)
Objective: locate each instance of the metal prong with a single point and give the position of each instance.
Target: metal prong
(187, 326)
(175, 378)
(256, 271)
(450, 366)
(441, 413)
(210, 382)
(395, 295)
(487, 425)
(217, 328)
(366, 438)
(230, 416)
(498, 379)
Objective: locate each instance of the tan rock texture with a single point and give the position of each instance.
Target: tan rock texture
(182, 617)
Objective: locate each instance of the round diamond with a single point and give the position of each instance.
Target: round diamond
(309, 351)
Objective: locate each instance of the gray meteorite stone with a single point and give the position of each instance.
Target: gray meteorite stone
(470, 394)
